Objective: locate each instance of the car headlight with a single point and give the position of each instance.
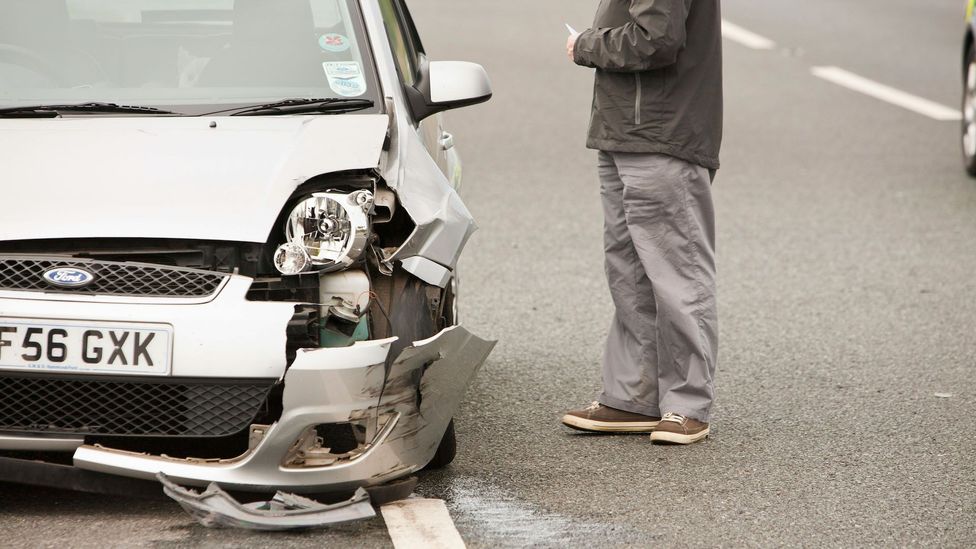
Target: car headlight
(325, 232)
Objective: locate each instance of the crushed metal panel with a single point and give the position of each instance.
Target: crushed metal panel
(444, 223)
(426, 384)
(423, 388)
(215, 508)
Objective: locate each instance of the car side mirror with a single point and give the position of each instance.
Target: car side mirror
(446, 85)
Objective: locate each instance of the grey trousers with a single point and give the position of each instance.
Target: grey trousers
(659, 238)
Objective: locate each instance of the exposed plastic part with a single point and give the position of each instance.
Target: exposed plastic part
(344, 295)
(29, 470)
(427, 270)
(318, 447)
(384, 205)
(344, 298)
(339, 338)
(215, 508)
(39, 444)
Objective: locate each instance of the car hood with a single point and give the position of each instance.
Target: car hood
(169, 177)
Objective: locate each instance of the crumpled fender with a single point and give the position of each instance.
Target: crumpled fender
(426, 385)
(443, 222)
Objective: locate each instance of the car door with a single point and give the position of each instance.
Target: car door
(408, 52)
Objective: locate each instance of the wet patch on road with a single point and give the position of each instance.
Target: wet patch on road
(488, 515)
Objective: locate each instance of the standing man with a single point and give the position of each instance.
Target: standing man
(657, 122)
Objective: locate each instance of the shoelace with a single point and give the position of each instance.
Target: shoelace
(593, 406)
(674, 418)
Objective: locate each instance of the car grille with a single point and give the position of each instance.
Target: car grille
(119, 279)
(175, 407)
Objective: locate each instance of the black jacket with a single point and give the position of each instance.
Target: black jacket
(658, 79)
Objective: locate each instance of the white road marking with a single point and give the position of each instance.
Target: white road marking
(417, 523)
(887, 94)
(746, 38)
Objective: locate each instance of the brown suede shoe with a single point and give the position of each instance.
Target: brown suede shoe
(678, 429)
(604, 419)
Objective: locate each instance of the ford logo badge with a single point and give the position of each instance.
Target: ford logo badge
(68, 277)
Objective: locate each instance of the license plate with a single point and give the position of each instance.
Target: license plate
(85, 347)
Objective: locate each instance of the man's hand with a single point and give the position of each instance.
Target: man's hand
(571, 46)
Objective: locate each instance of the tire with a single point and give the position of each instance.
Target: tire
(446, 451)
(405, 299)
(968, 137)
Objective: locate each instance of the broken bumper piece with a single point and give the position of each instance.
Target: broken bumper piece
(402, 412)
(215, 508)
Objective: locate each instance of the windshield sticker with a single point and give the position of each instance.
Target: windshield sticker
(345, 78)
(342, 69)
(335, 43)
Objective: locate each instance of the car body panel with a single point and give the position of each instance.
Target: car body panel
(126, 177)
(208, 337)
(444, 223)
(421, 393)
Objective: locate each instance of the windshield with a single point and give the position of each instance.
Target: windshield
(190, 56)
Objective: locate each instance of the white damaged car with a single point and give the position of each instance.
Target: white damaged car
(228, 245)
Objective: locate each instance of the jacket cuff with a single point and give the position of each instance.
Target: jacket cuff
(579, 52)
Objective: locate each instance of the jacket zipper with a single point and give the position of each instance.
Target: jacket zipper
(637, 103)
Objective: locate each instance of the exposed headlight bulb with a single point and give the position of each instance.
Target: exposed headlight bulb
(334, 227)
(331, 228)
(291, 258)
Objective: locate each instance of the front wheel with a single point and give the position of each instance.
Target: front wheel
(969, 113)
(446, 451)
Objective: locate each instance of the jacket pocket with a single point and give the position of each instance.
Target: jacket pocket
(638, 99)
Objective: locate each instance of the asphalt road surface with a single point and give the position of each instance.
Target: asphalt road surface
(847, 247)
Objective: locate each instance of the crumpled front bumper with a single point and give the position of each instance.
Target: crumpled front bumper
(412, 404)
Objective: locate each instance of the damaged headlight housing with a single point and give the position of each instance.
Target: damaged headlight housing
(325, 232)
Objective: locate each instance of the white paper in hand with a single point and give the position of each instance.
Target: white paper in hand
(571, 29)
